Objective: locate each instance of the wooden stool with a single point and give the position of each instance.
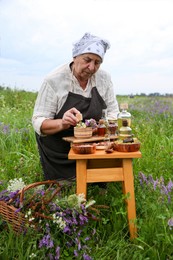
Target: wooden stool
(103, 167)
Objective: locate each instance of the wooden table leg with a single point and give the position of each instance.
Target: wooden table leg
(128, 189)
(81, 176)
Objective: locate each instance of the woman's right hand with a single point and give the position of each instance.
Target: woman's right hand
(69, 118)
(53, 126)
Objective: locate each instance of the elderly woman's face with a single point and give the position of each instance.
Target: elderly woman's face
(85, 65)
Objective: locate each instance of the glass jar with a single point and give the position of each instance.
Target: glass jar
(101, 129)
(112, 127)
(124, 114)
(104, 114)
(125, 131)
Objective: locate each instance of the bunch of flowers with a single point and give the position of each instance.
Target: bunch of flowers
(88, 123)
(166, 191)
(62, 222)
(91, 123)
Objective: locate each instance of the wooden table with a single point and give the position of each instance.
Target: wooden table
(103, 167)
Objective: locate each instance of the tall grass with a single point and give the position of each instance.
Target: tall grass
(152, 123)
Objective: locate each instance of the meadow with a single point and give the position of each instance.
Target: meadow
(152, 124)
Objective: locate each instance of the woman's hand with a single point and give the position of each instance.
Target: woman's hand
(70, 118)
(53, 126)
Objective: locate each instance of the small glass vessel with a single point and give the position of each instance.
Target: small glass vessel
(125, 131)
(104, 114)
(124, 114)
(101, 130)
(112, 127)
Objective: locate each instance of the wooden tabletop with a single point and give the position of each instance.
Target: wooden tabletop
(93, 138)
(101, 154)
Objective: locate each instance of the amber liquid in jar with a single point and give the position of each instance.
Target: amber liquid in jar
(112, 127)
(124, 114)
(101, 130)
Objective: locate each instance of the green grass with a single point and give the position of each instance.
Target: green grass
(152, 123)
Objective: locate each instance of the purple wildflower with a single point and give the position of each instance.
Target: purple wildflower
(155, 184)
(83, 219)
(74, 221)
(66, 229)
(86, 257)
(18, 210)
(6, 129)
(41, 192)
(57, 253)
(142, 178)
(91, 123)
(78, 244)
(75, 253)
(50, 256)
(79, 233)
(164, 189)
(170, 223)
(170, 186)
(46, 241)
(2, 192)
(93, 232)
(13, 194)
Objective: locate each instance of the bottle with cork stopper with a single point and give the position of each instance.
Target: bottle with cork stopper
(101, 128)
(124, 114)
(125, 131)
(102, 125)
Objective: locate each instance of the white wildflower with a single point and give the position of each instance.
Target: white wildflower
(32, 255)
(32, 226)
(81, 198)
(59, 221)
(28, 213)
(54, 216)
(31, 219)
(40, 187)
(75, 201)
(90, 203)
(16, 184)
(57, 201)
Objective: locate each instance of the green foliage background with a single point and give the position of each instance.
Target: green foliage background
(152, 124)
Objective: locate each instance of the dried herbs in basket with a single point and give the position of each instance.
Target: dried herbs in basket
(35, 202)
(62, 224)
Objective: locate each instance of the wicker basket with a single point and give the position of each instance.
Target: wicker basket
(16, 219)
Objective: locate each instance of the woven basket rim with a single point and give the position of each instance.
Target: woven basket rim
(12, 215)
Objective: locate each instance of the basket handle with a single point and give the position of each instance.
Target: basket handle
(33, 185)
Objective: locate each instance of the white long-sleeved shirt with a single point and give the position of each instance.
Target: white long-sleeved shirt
(59, 83)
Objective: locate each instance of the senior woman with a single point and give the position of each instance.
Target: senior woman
(77, 87)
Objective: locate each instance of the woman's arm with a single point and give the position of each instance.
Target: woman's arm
(52, 126)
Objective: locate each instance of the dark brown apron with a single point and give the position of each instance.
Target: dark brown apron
(54, 150)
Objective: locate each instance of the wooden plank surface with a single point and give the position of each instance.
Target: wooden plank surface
(101, 154)
(94, 138)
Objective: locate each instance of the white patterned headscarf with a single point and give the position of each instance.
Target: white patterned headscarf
(91, 44)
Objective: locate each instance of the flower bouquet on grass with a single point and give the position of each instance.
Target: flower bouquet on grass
(61, 222)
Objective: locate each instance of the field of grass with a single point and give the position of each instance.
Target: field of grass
(152, 124)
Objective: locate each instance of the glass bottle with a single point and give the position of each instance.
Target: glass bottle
(101, 130)
(125, 131)
(124, 114)
(112, 126)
